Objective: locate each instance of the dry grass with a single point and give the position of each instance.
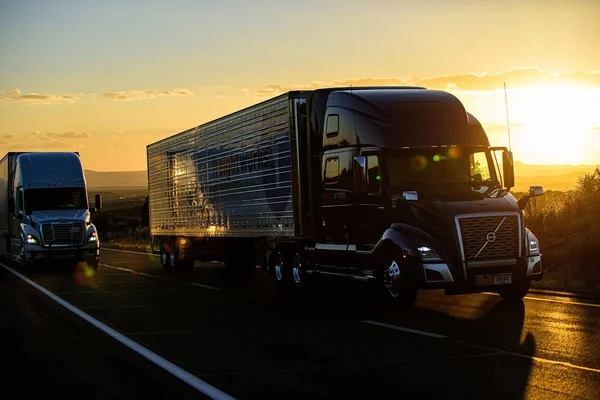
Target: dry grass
(567, 225)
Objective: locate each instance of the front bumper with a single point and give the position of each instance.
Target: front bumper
(440, 275)
(35, 253)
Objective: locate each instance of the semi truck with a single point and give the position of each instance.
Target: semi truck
(396, 185)
(44, 213)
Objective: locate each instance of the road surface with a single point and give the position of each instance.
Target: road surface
(239, 334)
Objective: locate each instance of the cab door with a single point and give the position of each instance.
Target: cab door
(339, 211)
(372, 203)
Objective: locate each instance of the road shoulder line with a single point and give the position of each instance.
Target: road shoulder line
(129, 251)
(403, 329)
(163, 363)
(161, 277)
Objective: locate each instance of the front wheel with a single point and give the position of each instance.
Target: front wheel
(515, 291)
(402, 294)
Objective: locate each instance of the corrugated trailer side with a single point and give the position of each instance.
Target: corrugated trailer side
(231, 177)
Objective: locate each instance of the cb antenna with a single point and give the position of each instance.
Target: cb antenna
(507, 121)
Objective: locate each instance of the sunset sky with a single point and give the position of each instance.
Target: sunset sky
(106, 78)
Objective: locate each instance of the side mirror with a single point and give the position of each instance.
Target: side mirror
(18, 206)
(535, 191)
(508, 169)
(360, 174)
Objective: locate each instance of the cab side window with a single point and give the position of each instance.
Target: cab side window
(373, 175)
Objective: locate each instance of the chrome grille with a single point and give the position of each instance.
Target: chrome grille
(489, 237)
(63, 234)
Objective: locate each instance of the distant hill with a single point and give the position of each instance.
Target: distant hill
(117, 179)
(551, 177)
(550, 170)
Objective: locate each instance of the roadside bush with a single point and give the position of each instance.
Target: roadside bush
(568, 227)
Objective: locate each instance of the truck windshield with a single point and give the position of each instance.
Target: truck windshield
(463, 166)
(55, 199)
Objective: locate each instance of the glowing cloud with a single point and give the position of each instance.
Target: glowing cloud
(526, 77)
(145, 94)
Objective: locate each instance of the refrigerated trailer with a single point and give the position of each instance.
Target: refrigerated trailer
(397, 185)
(44, 212)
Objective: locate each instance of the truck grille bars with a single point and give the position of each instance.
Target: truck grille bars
(63, 234)
(489, 236)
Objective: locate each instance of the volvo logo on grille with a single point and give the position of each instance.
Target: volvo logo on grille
(491, 237)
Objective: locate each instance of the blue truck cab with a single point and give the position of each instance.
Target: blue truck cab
(46, 214)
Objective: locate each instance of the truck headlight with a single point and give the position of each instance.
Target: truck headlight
(533, 246)
(29, 235)
(93, 237)
(30, 239)
(428, 254)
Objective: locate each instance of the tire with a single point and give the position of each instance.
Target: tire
(400, 293)
(278, 267)
(297, 270)
(515, 291)
(166, 259)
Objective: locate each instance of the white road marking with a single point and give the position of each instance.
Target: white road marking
(202, 286)
(575, 303)
(161, 362)
(491, 349)
(403, 329)
(98, 291)
(192, 331)
(130, 252)
(126, 306)
(161, 277)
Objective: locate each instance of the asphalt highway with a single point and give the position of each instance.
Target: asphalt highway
(132, 330)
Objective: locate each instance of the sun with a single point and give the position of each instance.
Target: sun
(555, 124)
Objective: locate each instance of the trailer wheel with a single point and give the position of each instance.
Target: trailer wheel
(402, 293)
(278, 267)
(297, 269)
(515, 291)
(167, 260)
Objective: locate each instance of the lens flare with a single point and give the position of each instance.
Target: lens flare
(454, 152)
(418, 163)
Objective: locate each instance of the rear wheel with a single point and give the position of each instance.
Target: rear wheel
(278, 267)
(515, 291)
(167, 260)
(402, 293)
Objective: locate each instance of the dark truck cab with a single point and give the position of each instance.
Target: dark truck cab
(412, 194)
(398, 185)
